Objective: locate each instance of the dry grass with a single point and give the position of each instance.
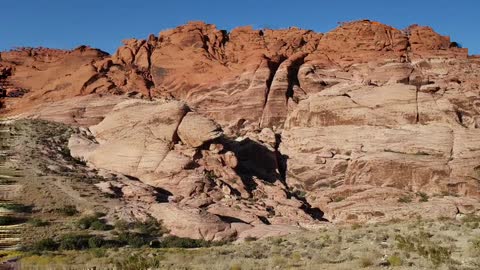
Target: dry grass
(446, 244)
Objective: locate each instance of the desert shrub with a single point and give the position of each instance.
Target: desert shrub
(437, 254)
(299, 193)
(471, 221)
(405, 199)
(47, 244)
(471, 218)
(236, 266)
(16, 207)
(4, 181)
(366, 261)
(95, 242)
(250, 238)
(210, 175)
(138, 234)
(423, 196)
(67, 210)
(9, 220)
(150, 227)
(85, 222)
(73, 242)
(394, 260)
(99, 225)
(132, 239)
(121, 225)
(425, 247)
(76, 241)
(98, 252)
(93, 222)
(138, 263)
(475, 245)
(35, 222)
(356, 226)
(276, 241)
(180, 242)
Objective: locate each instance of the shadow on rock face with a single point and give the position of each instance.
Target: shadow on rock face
(229, 219)
(254, 160)
(161, 195)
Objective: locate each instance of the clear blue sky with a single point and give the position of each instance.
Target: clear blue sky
(104, 23)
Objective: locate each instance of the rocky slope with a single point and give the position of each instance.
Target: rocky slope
(254, 129)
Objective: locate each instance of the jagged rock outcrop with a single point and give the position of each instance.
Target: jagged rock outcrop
(210, 181)
(347, 122)
(266, 70)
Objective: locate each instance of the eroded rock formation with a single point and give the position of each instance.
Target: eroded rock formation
(258, 127)
(215, 188)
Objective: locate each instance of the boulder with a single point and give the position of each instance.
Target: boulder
(195, 130)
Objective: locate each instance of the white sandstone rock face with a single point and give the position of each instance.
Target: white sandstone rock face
(208, 189)
(78, 111)
(389, 139)
(136, 136)
(195, 129)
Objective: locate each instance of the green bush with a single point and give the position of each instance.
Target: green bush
(47, 244)
(95, 242)
(74, 242)
(150, 227)
(16, 207)
(180, 242)
(121, 225)
(85, 222)
(405, 199)
(132, 239)
(9, 220)
(35, 222)
(92, 222)
(99, 225)
(423, 196)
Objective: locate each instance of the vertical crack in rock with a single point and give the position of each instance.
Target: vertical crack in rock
(417, 117)
(460, 120)
(148, 74)
(281, 160)
(408, 48)
(175, 137)
(417, 82)
(273, 67)
(292, 75)
(450, 158)
(281, 89)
